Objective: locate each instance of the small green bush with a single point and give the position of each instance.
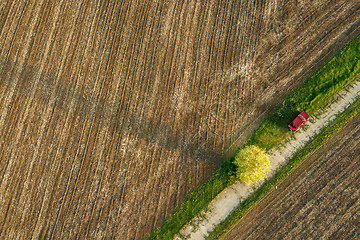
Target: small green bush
(253, 164)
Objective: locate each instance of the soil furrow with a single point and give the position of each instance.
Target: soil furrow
(10, 163)
(67, 120)
(85, 134)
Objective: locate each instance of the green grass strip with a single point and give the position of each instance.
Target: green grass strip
(340, 71)
(315, 93)
(310, 148)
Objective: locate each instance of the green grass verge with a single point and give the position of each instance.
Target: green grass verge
(311, 147)
(314, 94)
(341, 70)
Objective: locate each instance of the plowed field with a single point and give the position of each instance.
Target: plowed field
(319, 200)
(112, 111)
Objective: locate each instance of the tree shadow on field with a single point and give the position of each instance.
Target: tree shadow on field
(80, 102)
(274, 128)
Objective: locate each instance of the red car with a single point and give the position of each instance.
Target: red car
(298, 121)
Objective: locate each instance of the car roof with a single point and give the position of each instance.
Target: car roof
(305, 115)
(297, 121)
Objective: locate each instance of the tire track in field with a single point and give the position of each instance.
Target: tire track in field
(208, 54)
(183, 103)
(105, 174)
(244, 78)
(242, 67)
(174, 65)
(190, 104)
(233, 36)
(5, 62)
(220, 111)
(203, 75)
(215, 95)
(181, 98)
(51, 101)
(197, 86)
(2, 13)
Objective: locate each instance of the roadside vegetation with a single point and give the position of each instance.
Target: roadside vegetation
(314, 95)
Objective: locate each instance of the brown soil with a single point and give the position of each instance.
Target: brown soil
(319, 200)
(112, 111)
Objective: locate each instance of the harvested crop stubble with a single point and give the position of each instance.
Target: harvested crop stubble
(112, 111)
